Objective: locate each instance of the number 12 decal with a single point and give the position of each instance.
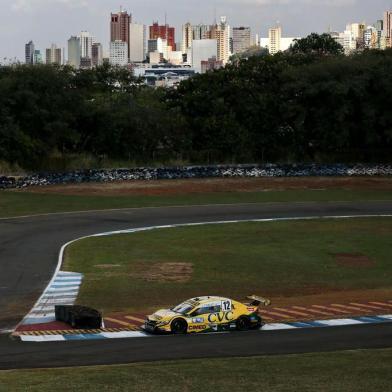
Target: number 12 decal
(226, 306)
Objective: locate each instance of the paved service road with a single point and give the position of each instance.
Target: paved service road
(28, 256)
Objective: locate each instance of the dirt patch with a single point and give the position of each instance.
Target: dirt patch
(354, 260)
(107, 266)
(167, 272)
(197, 186)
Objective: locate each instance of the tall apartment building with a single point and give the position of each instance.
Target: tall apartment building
(53, 55)
(97, 54)
(118, 53)
(387, 25)
(379, 26)
(164, 32)
(357, 31)
(274, 38)
(29, 53)
(37, 57)
(187, 38)
(86, 44)
(119, 27)
(201, 31)
(241, 39)
(137, 42)
(74, 52)
(221, 32)
(370, 37)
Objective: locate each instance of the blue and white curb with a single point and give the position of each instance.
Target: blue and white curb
(62, 290)
(267, 327)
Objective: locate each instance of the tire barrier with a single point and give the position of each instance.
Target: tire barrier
(223, 171)
(79, 317)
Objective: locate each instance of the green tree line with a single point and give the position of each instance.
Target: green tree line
(303, 105)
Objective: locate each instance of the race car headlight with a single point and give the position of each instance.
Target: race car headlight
(162, 323)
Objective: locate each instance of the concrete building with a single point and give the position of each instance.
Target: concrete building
(118, 53)
(97, 54)
(165, 33)
(86, 44)
(221, 32)
(175, 57)
(164, 75)
(187, 38)
(137, 42)
(37, 57)
(53, 55)
(74, 53)
(371, 38)
(387, 28)
(201, 31)
(274, 39)
(202, 50)
(119, 27)
(357, 31)
(29, 53)
(379, 26)
(155, 57)
(241, 39)
(158, 45)
(210, 65)
(86, 63)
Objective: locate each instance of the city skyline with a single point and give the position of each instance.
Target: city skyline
(39, 22)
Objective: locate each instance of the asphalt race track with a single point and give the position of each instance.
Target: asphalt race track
(28, 256)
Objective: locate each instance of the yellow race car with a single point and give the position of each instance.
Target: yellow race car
(207, 314)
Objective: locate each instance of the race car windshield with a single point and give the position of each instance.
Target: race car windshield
(183, 308)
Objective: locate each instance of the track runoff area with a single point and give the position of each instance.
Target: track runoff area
(40, 324)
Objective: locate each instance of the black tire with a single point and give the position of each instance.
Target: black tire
(179, 326)
(243, 323)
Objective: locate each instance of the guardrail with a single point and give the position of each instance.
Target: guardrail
(267, 170)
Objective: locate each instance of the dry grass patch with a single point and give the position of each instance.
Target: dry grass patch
(166, 272)
(354, 260)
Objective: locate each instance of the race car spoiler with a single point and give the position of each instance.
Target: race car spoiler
(257, 301)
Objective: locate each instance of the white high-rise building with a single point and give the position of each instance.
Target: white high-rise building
(221, 32)
(86, 44)
(202, 50)
(74, 52)
(274, 38)
(118, 53)
(137, 42)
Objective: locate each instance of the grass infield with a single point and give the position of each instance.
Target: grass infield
(143, 271)
(14, 203)
(359, 371)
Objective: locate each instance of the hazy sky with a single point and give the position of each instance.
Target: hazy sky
(46, 21)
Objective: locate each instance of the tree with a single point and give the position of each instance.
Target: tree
(315, 44)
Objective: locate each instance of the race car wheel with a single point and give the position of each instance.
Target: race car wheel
(179, 326)
(243, 323)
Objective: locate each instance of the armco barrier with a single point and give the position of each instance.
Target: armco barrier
(268, 170)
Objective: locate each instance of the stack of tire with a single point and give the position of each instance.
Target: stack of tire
(80, 317)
